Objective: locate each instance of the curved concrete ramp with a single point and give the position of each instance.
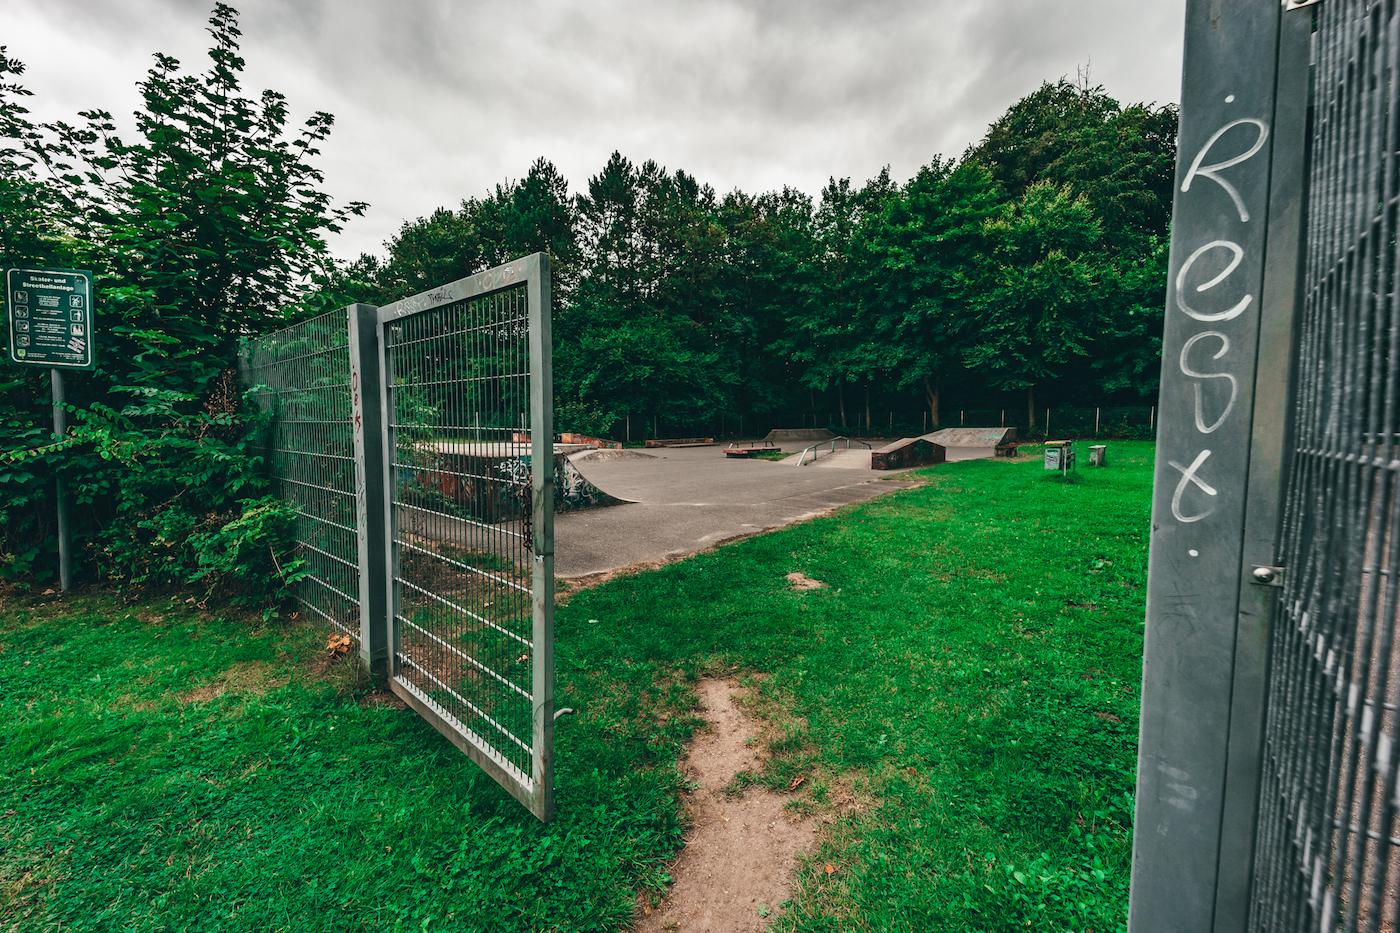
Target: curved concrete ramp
(573, 491)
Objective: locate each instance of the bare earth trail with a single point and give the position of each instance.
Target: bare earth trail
(739, 857)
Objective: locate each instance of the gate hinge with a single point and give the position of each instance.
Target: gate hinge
(1297, 4)
(1264, 575)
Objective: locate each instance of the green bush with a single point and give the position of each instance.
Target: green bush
(579, 417)
(253, 556)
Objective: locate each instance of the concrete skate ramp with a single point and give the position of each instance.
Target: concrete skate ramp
(971, 443)
(807, 435)
(972, 437)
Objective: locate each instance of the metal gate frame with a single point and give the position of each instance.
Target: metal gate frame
(536, 789)
(1222, 455)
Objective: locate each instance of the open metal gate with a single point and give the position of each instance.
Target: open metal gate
(468, 407)
(1267, 778)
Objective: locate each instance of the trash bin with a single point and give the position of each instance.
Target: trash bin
(1059, 455)
(1098, 455)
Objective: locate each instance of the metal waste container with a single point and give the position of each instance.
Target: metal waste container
(1059, 455)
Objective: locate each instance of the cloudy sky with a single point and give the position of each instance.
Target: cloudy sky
(437, 100)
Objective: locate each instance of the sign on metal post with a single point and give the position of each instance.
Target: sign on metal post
(49, 316)
(469, 481)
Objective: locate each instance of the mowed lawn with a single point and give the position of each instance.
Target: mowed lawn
(961, 698)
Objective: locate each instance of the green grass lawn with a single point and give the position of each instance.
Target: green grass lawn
(961, 697)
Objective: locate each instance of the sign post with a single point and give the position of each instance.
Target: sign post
(49, 320)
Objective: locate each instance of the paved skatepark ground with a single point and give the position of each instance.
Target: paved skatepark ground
(688, 499)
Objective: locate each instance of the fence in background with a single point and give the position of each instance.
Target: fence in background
(1122, 421)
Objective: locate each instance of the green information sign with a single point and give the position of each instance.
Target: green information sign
(49, 312)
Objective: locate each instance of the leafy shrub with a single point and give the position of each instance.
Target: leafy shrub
(206, 224)
(579, 417)
(253, 556)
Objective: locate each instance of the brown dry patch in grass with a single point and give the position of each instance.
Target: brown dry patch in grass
(800, 581)
(566, 587)
(380, 698)
(27, 875)
(244, 678)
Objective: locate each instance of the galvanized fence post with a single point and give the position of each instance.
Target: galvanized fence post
(542, 502)
(366, 413)
(1227, 347)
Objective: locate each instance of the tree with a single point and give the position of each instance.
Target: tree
(647, 331)
(1122, 160)
(768, 270)
(926, 244)
(28, 229)
(207, 226)
(830, 337)
(533, 215)
(1036, 290)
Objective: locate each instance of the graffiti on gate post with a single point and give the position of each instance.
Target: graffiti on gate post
(1205, 337)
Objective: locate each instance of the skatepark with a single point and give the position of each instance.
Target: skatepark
(676, 501)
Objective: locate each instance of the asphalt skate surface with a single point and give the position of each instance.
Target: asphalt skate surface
(688, 499)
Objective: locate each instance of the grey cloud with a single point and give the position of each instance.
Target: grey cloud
(437, 100)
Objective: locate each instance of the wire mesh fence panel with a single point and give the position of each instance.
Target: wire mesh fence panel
(1326, 843)
(299, 379)
(471, 460)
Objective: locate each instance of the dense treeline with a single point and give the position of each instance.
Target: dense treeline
(1032, 265)
(1036, 262)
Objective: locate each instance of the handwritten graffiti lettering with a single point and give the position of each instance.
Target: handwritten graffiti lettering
(355, 397)
(1188, 476)
(1194, 374)
(1210, 171)
(1209, 164)
(1235, 260)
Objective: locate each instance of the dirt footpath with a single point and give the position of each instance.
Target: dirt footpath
(738, 862)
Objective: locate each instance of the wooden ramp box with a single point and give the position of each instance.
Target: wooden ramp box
(908, 452)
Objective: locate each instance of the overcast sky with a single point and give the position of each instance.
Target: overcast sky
(438, 100)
